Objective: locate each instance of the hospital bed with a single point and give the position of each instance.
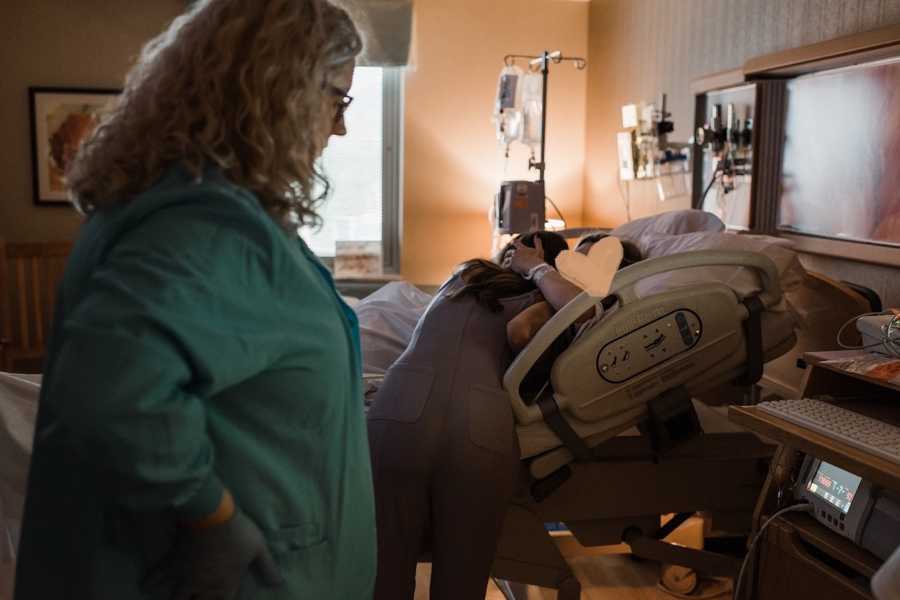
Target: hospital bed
(630, 480)
(640, 365)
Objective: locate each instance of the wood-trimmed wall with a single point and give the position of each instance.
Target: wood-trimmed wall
(641, 48)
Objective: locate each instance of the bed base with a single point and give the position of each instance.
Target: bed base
(621, 496)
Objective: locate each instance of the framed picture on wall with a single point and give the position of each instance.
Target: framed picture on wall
(61, 118)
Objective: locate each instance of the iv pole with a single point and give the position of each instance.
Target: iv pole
(544, 61)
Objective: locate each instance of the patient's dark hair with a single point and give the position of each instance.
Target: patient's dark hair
(489, 282)
(551, 242)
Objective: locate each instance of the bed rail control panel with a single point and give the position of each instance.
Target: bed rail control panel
(646, 347)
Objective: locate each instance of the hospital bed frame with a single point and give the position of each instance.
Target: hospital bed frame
(619, 492)
(621, 496)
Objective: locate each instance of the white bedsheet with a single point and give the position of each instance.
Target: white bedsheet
(387, 319)
(18, 411)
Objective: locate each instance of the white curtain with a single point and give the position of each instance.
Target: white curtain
(387, 28)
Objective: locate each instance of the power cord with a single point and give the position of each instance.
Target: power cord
(10, 550)
(712, 181)
(890, 333)
(553, 204)
(626, 199)
(807, 508)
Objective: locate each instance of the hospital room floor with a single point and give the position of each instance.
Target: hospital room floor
(605, 573)
(609, 577)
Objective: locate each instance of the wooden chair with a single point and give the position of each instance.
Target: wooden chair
(29, 276)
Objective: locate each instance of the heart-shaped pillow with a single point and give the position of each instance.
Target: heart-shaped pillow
(592, 273)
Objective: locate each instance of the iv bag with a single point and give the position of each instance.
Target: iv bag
(508, 106)
(532, 108)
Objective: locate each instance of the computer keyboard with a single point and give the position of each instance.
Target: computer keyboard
(860, 431)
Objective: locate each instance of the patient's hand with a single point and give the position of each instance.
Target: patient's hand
(525, 257)
(521, 329)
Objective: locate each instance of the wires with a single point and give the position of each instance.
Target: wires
(890, 333)
(553, 204)
(626, 198)
(712, 181)
(10, 547)
(807, 508)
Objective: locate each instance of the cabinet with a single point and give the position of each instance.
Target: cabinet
(797, 557)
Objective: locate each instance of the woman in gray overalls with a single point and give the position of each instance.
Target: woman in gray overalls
(445, 454)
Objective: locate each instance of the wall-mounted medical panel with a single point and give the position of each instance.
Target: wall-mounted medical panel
(738, 140)
(724, 154)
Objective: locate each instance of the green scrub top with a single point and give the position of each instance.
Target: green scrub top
(197, 345)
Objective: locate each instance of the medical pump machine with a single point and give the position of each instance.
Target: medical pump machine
(520, 115)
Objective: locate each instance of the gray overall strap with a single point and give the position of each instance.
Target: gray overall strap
(753, 334)
(558, 424)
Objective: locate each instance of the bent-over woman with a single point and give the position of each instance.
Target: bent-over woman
(442, 435)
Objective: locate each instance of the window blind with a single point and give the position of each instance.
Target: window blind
(386, 26)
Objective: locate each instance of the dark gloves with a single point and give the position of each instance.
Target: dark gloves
(210, 563)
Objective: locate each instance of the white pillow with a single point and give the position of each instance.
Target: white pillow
(676, 222)
(742, 280)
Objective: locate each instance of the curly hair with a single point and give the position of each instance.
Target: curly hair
(239, 85)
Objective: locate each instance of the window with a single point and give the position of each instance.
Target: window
(364, 170)
(841, 154)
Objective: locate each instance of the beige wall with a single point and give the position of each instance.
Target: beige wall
(640, 48)
(453, 165)
(88, 43)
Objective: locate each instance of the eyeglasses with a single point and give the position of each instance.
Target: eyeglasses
(344, 102)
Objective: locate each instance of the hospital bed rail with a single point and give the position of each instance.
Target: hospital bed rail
(623, 287)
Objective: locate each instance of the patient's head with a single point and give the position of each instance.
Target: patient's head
(552, 244)
(630, 252)
(489, 282)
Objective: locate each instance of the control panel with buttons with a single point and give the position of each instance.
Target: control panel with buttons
(644, 348)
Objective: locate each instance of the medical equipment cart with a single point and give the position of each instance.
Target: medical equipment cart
(800, 555)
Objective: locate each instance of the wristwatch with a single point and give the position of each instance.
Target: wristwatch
(537, 272)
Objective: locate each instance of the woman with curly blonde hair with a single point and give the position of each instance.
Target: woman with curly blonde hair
(201, 431)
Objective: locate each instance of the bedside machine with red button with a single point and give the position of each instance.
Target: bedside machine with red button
(851, 506)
